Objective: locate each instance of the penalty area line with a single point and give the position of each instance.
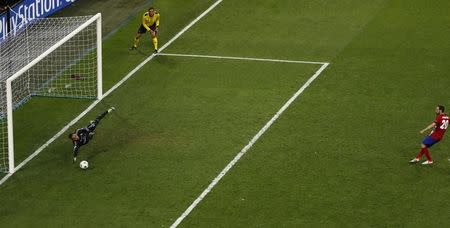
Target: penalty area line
(90, 107)
(255, 138)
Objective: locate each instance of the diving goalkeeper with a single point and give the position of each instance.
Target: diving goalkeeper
(83, 135)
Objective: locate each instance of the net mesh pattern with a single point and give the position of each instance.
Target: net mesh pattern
(68, 71)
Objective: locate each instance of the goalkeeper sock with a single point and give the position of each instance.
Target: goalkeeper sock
(155, 42)
(136, 42)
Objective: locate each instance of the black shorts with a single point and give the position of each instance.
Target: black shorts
(143, 30)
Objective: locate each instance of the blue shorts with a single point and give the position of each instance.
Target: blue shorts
(429, 141)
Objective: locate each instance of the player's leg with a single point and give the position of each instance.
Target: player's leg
(91, 127)
(420, 154)
(137, 38)
(426, 143)
(153, 34)
(154, 41)
(427, 154)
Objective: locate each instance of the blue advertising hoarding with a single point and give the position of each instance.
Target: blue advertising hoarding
(28, 10)
(3, 26)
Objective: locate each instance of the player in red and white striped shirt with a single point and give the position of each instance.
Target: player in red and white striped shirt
(439, 126)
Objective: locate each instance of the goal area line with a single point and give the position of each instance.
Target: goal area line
(246, 148)
(244, 58)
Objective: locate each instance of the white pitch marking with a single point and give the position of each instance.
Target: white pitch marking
(131, 73)
(244, 58)
(248, 146)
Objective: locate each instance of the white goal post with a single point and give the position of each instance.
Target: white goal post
(54, 57)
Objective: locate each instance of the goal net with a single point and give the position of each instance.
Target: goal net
(55, 57)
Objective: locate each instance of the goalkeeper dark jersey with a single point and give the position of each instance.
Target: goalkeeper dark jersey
(84, 135)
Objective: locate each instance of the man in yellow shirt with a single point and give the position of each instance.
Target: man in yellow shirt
(150, 23)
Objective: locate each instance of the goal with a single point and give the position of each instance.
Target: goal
(54, 57)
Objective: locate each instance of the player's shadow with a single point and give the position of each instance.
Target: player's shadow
(92, 154)
(139, 51)
(114, 140)
(165, 60)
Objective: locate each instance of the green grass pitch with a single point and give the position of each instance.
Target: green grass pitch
(337, 157)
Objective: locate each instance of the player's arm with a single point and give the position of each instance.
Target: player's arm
(76, 149)
(157, 20)
(432, 125)
(144, 24)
